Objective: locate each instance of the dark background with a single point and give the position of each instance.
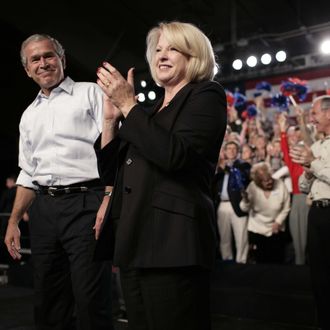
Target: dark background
(117, 30)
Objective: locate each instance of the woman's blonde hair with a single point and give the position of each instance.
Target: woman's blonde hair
(190, 41)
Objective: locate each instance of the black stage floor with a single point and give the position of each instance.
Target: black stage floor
(244, 297)
(16, 314)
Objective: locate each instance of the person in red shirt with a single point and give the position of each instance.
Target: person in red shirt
(299, 208)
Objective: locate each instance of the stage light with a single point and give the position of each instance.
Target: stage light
(325, 47)
(152, 95)
(215, 70)
(266, 59)
(143, 83)
(280, 56)
(141, 97)
(251, 61)
(237, 64)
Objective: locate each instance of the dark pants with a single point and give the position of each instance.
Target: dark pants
(66, 279)
(267, 249)
(318, 248)
(167, 298)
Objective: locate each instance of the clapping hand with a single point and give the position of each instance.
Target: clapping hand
(302, 154)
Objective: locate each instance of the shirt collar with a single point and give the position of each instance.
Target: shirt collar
(327, 138)
(66, 85)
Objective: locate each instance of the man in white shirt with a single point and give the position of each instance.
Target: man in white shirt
(316, 181)
(59, 184)
(228, 182)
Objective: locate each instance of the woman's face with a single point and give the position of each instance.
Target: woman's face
(277, 148)
(260, 142)
(170, 65)
(265, 180)
(246, 152)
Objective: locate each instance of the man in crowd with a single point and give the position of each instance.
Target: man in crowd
(316, 181)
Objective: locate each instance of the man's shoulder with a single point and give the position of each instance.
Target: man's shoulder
(88, 85)
(86, 89)
(241, 164)
(30, 108)
(317, 145)
(68, 84)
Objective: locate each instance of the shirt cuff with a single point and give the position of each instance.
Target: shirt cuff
(25, 180)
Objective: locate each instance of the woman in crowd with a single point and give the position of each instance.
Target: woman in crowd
(268, 202)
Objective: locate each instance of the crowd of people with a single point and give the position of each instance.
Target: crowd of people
(287, 190)
(264, 138)
(156, 193)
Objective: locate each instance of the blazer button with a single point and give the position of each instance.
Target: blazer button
(127, 189)
(129, 161)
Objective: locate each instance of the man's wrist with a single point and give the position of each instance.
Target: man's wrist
(14, 221)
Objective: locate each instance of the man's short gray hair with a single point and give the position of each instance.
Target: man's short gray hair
(39, 37)
(324, 100)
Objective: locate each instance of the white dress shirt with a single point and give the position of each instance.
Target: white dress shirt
(319, 185)
(57, 134)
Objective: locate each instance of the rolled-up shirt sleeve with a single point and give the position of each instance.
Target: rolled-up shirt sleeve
(24, 160)
(321, 169)
(305, 184)
(25, 180)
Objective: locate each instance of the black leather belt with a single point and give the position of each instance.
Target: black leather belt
(74, 188)
(322, 203)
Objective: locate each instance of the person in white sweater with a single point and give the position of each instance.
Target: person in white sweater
(267, 201)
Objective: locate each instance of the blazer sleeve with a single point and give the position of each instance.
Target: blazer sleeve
(107, 160)
(197, 132)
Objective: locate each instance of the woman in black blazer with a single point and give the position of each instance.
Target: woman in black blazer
(159, 222)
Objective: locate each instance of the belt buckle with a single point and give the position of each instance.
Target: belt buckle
(51, 191)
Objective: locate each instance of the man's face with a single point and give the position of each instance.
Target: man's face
(320, 118)
(44, 65)
(231, 151)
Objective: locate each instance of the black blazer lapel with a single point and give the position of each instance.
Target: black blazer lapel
(168, 115)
